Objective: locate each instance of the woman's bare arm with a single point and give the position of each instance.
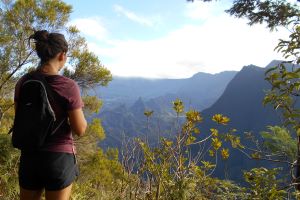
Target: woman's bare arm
(77, 121)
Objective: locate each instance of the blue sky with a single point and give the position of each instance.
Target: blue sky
(171, 38)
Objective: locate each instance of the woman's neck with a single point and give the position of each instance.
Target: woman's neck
(49, 69)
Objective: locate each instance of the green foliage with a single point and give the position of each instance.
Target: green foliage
(283, 78)
(168, 171)
(273, 12)
(178, 106)
(279, 141)
(9, 159)
(18, 20)
(88, 143)
(171, 171)
(284, 92)
(101, 176)
(88, 69)
(169, 179)
(290, 48)
(96, 128)
(148, 113)
(92, 104)
(263, 184)
(218, 137)
(6, 115)
(220, 119)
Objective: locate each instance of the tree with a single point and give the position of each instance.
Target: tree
(285, 82)
(18, 20)
(263, 184)
(283, 79)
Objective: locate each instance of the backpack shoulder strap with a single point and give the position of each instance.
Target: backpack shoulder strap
(26, 77)
(50, 93)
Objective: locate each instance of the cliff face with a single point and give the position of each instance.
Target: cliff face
(242, 103)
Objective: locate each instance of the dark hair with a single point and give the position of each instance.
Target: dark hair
(48, 45)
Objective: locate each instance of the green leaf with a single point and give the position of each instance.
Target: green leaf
(271, 69)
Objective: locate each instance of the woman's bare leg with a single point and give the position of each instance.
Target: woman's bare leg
(63, 194)
(30, 194)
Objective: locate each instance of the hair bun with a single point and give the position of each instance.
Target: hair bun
(48, 45)
(41, 35)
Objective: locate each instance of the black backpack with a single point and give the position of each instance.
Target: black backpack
(34, 118)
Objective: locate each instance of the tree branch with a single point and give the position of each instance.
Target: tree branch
(15, 70)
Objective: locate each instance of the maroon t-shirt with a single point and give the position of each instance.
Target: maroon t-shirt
(67, 98)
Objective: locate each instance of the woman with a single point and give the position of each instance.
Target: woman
(53, 168)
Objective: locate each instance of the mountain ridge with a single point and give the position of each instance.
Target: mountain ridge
(127, 90)
(242, 102)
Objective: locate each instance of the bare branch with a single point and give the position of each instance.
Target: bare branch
(15, 70)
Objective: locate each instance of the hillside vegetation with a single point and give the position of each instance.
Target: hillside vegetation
(181, 167)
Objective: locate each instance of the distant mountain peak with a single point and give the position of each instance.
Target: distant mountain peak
(251, 66)
(201, 74)
(139, 102)
(138, 107)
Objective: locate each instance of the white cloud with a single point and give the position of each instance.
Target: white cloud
(132, 16)
(92, 27)
(200, 10)
(219, 44)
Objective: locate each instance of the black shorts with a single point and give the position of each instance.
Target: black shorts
(50, 170)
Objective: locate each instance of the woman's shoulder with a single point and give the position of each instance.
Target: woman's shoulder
(63, 85)
(65, 79)
(69, 90)
(61, 80)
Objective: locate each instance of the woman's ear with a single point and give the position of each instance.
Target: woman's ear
(61, 56)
